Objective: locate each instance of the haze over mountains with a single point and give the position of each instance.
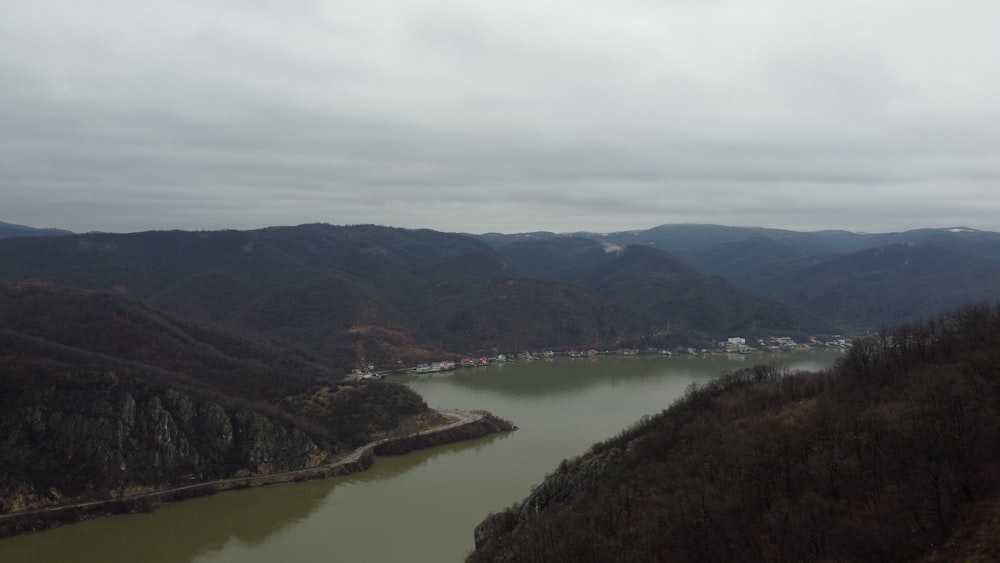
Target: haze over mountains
(857, 281)
(364, 294)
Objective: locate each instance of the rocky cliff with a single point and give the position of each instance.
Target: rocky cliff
(103, 397)
(83, 436)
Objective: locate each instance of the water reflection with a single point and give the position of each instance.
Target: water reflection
(198, 529)
(526, 380)
(419, 507)
(392, 466)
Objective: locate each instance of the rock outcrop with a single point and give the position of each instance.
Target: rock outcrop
(101, 435)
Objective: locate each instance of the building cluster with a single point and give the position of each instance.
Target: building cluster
(738, 345)
(732, 345)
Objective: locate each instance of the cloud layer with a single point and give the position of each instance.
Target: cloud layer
(479, 116)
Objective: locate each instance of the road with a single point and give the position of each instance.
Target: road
(257, 480)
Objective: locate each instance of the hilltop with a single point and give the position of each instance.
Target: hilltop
(8, 230)
(858, 282)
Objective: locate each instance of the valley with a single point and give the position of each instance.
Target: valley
(160, 360)
(422, 506)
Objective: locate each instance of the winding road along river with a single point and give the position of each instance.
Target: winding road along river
(420, 507)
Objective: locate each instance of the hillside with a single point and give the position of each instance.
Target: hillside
(352, 296)
(359, 295)
(132, 398)
(891, 284)
(659, 286)
(333, 290)
(752, 262)
(858, 281)
(888, 456)
(855, 281)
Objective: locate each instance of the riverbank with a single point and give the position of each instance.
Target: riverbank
(467, 426)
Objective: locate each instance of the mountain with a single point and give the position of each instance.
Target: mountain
(489, 316)
(8, 230)
(687, 239)
(659, 286)
(750, 262)
(365, 294)
(888, 456)
(591, 263)
(890, 284)
(858, 281)
(321, 277)
(150, 263)
(103, 395)
(679, 239)
(862, 281)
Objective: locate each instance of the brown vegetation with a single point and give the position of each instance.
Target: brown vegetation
(101, 396)
(891, 455)
(360, 295)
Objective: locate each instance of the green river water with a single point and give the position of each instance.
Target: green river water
(421, 507)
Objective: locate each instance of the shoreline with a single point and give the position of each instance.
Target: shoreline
(469, 426)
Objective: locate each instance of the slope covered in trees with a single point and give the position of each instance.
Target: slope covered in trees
(891, 284)
(858, 281)
(367, 294)
(101, 395)
(891, 455)
(652, 283)
(364, 294)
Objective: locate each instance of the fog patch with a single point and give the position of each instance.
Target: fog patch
(612, 248)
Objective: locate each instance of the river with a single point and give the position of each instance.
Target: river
(421, 507)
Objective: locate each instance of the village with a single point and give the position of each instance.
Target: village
(732, 346)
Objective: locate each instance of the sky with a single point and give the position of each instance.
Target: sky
(477, 116)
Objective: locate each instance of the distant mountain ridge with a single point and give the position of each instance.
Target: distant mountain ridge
(10, 230)
(232, 277)
(365, 294)
(859, 281)
(651, 282)
(694, 237)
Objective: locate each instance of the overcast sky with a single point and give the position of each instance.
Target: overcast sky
(511, 116)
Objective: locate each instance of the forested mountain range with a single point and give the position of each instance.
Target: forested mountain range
(857, 281)
(367, 294)
(644, 279)
(355, 295)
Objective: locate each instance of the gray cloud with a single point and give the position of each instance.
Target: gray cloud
(499, 116)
